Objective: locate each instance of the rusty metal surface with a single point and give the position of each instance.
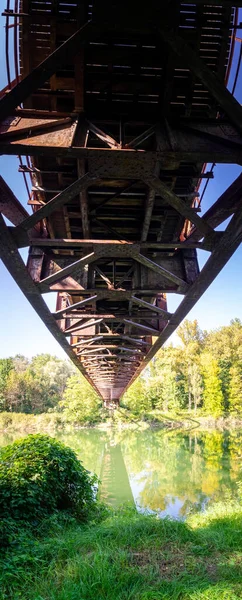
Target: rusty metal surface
(130, 113)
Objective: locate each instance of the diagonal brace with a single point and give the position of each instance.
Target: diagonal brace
(73, 268)
(16, 267)
(179, 205)
(57, 202)
(166, 315)
(150, 264)
(38, 76)
(71, 307)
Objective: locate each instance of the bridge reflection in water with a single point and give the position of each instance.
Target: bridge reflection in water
(115, 486)
(169, 473)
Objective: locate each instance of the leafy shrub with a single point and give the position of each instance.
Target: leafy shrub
(39, 475)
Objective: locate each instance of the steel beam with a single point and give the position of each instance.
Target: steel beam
(10, 207)
(178, 204)
(78, 265)
(16, 267)
(166, 315)
(150, 264)
(57, 202)
(59, 313)
(223, 251)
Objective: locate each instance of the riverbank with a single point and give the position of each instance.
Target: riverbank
(21, 423)
(128, 556)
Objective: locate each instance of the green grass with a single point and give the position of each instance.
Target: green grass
(128, 556)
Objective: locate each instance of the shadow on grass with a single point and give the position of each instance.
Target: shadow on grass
(130, 557)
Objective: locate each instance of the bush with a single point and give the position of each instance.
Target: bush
(39, 475)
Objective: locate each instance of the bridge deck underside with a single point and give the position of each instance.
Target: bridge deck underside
(119, 135)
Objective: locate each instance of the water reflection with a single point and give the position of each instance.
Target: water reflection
(163, 472)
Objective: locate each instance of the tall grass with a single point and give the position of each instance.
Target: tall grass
(29, 423)
(128, 556)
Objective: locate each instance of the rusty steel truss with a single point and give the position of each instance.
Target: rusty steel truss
(115, 113)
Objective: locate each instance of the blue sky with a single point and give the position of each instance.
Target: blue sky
(22, 331)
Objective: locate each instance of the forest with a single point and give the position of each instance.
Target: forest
(200, 375)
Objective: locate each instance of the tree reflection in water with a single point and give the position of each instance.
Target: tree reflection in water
(166, 472)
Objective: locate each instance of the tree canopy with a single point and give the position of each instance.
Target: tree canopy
(203, 373)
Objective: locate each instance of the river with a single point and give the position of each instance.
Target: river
(160, 471)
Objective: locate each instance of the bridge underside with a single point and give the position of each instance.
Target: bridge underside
(114, 115)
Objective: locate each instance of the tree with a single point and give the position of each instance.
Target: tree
(235, 391)
(212, 395)
(225, 345)
(81, 403)
(137, 398)
(6, 365)
(20, 363)
(164, 387)
(193, 339)
(196, 387)
(189, 331)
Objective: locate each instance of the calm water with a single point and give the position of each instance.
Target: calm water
(168, 473)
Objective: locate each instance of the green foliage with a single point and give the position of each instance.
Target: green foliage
(235, 390)
(136, 398)
(33, 386)
(212, 395)
(179, 378)
(39, 475)
(81, 403)
(190, 332)
(6, 365)
(129, 556)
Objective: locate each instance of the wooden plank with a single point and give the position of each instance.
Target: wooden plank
(166, 315)
(60, 57)
(150, 264)
(75, 266)
(209, 79)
